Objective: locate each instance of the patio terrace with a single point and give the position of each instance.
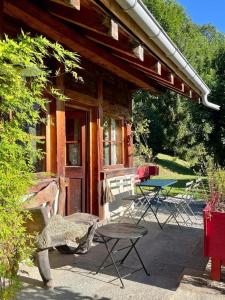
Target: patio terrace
(173, 257)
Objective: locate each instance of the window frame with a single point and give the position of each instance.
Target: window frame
(110, 142)
(42, 138)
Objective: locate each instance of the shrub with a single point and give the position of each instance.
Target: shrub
(24, 77)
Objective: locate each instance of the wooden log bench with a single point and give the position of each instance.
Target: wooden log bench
(70, 234)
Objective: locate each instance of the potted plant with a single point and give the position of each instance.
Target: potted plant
(214, 222)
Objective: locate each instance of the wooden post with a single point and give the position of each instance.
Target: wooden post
(60, 139)
(100, 145)
(128, 145)
(51, 139)
(60, 130)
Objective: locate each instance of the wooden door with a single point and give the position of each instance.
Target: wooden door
(76, 160)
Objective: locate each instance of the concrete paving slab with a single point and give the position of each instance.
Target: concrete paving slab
(168, 254)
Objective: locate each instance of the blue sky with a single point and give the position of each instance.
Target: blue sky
(206, 11)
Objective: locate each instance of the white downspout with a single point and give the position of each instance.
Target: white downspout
(141, 15)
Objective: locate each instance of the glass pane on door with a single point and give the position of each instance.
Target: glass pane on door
(73, 154)
(73, 142)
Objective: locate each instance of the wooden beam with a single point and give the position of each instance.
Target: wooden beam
(171, 78)
(114, 30)
(83, 18)
(139, 52)
(72, 3)
(148, 65)
(158, 68)
(80, 98)
(151, 70)
(131, 26)
(166, 83)
(121, 47)
(182, 87)
(50, 26)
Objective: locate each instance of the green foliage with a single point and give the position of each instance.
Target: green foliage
(217, 137)
(24, 77)
(216, 185)
(171, 167)
(142, 151)
(177, 125)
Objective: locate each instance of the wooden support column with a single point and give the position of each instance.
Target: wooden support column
(100, 145)
(60, 130)
(51, 142)
(128, 145)
(60, 145)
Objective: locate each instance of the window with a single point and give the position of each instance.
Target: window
(40, 132)
(73, 142)
(112, 141)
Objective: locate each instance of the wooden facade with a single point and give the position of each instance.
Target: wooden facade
(89, 138)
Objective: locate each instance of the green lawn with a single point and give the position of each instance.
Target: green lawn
(174, 168)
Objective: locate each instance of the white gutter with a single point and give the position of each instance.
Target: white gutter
(142, 16)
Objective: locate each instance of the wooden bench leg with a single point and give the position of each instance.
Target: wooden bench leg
(216, 268)
(44, 268)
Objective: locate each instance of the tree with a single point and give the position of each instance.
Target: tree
(217, 137)
(177, 125)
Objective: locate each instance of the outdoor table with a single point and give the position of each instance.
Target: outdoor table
(158, 185)
(117, 232)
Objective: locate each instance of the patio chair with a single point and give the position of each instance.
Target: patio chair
(192, 191)
(179, 206)
(137, 203)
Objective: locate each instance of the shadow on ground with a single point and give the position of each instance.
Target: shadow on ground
(59, 293)
(174, 166)
(167, 254)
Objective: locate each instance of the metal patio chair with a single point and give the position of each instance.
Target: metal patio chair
(193, 188)
(138, 202)
(179, 206)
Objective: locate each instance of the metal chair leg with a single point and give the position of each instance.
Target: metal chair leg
(171, 216)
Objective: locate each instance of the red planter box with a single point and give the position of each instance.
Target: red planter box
(214, 237)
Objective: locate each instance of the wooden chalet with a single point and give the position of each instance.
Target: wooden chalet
(88, 139)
